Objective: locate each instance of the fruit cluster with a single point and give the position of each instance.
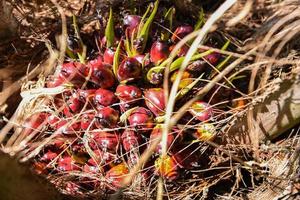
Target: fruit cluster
(114, 104)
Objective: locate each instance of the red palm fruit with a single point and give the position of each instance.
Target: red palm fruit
(156, 135)
(213, 58)
(67, 164)
(141, 118)
(73, 106)
(92, 167)
(185, 80)
(105, 141)
(68, 129)
(142, 59)
(33, 122)
(159, 52)
(53, 81)
(187, 157)
(197, 66)
(48, 156)
(201, 110)
(108, 56)
(128, 93)
(40, 167)
(102, 76)
(52, 120)
(95, 62)
(156, 77)
(167, 168)
(131, 22)
(182, 51)
(181, 32)
(107, 117)
(86, 120)
(104, 98)
(129, 69)
(86, 95)
(72, 72)
(117, 174)
(205, 132)
(155, 100)
(131, 140)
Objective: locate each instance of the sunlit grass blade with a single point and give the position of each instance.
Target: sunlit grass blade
(201, 20)
(116, 59)
(185, 90)
(109, 30)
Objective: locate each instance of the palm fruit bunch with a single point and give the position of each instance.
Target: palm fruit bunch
(113, 104)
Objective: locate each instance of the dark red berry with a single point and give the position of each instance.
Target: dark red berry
(104, 98)
(155, 100)
(72, 72)
(86, 95)
(131, 140)
(102, 76)
(213, 58)
(181, 32)
(107, 117)
(108, 56)
(159, 52)
(156, 135)
(86, 120)
(105, 141)
(67, 164)
(141, 118)
(73, 106)
(129, 69)
(201, 110)
(128, 93)
(48, 156)
(131, 22)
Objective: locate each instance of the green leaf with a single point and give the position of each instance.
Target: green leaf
(201, 20)
(225, 46)
(116, 59)
(169, 17)
(185, 90)
(109, 30)
(178, 62)
(144, 29)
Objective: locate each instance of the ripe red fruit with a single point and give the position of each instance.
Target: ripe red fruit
(181, 32)
(92, 167)
(102, 76)
(201, 110)
(68, 129)
(117, 174)
(213, 58)
(33, 122)
(131, 22)
(155, 100)
(108, 56)
(159, 52)
(128, 93)
(48, 156)
(142, 59)
(72, 72)
(67, 164)
(86, 120)
(97, 62)
(105, 141)
(53, 81)
(156, 134)
(107, 117)
(104, 98)
(129, 69)
(73, 106)
(131, 140)
(86, 95)
(141, 118)
(167, 168)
